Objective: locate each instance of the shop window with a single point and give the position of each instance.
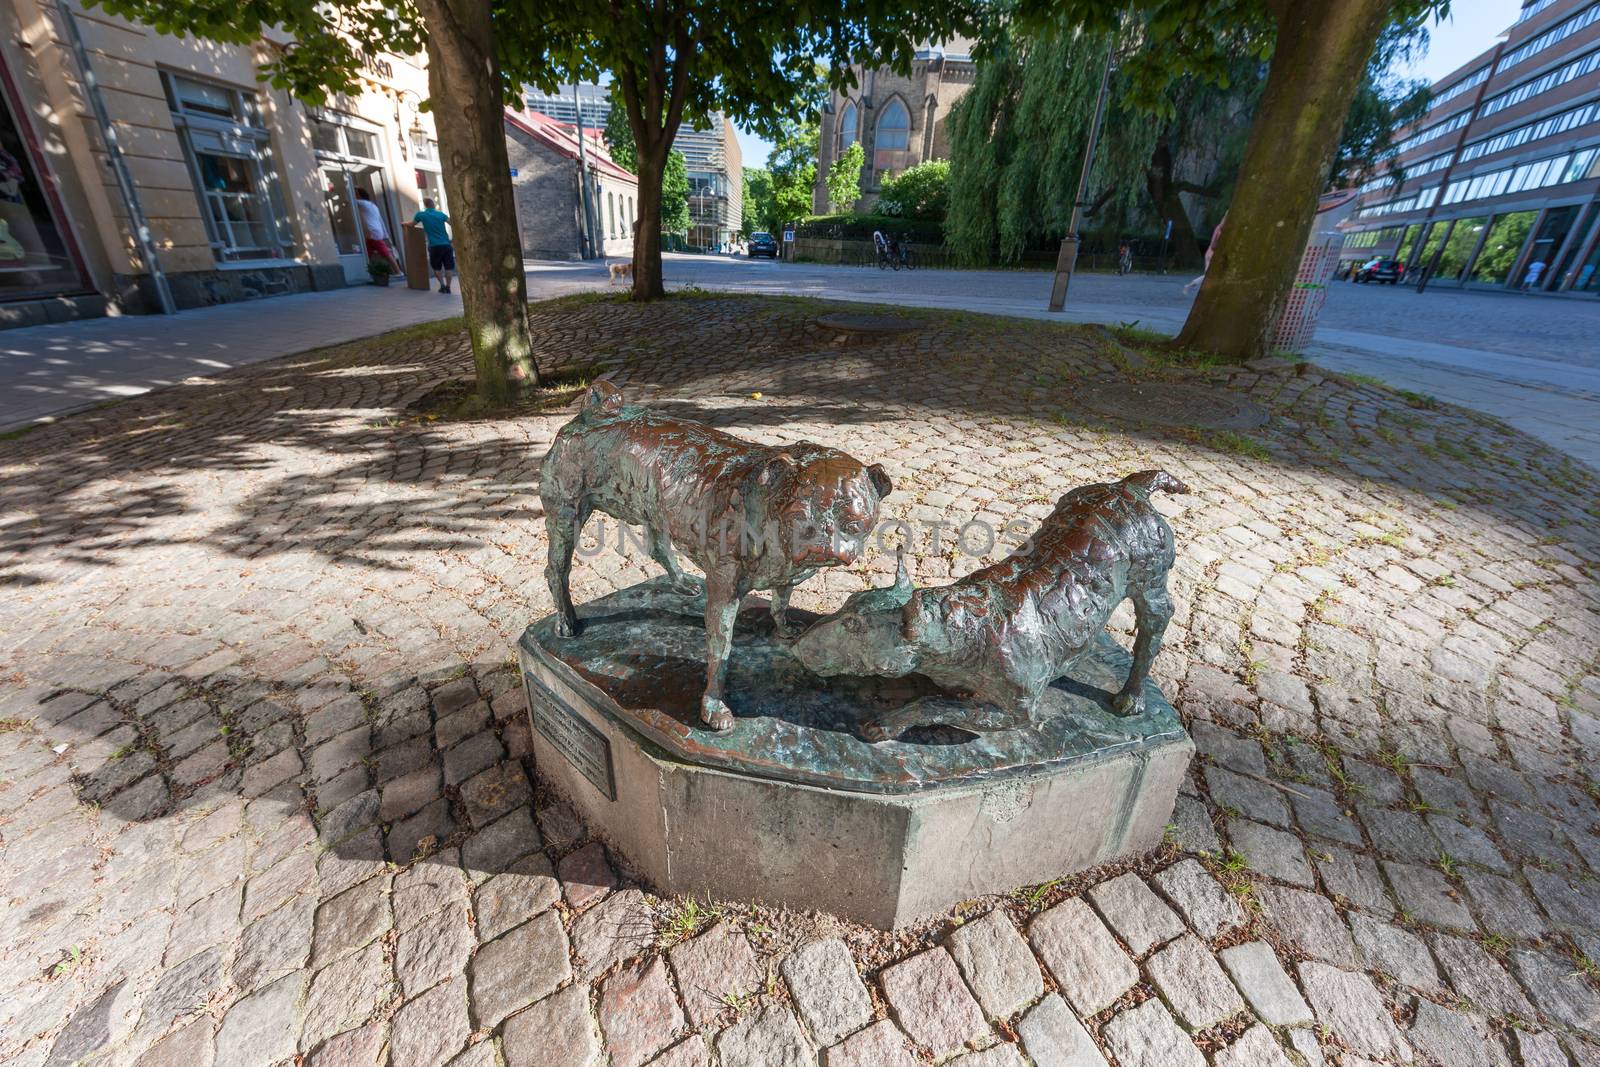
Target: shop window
(1502, 247)
(232, 167)
(36, 257)
(1588, 279)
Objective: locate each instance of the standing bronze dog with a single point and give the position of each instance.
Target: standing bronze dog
(1002, 634)
(750, 516)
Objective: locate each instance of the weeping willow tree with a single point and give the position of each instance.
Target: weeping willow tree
(1017, 144)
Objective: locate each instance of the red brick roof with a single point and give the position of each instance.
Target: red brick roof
(563, 138)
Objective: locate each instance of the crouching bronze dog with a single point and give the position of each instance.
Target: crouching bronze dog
(750, 516)
(1002, 634)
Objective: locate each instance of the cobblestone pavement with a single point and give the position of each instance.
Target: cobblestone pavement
(266, 793)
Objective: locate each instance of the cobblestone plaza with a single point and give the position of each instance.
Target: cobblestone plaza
(266, 792)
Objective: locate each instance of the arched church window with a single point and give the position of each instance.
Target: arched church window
(894, 128)
(848, 123)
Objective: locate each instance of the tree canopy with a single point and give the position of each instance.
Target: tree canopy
(919, 192)
(687, 60)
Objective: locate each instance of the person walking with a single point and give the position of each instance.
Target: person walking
(441, 253)
(377, 233)
(1211, 250)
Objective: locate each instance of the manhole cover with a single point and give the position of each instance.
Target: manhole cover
(872, 325)
(1172, 404)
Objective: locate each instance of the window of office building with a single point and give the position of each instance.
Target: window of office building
(1502, 247)
(1433, 242)
(1588, 278)
(1458, 248)
(1558, 276)
(37, 256)
(1408, 242)
(1547, 239)
(231, 164)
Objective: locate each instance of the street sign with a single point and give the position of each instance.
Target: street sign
(788, 236)
(513, 172)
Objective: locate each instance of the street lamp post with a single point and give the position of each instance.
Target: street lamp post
(1068, 256)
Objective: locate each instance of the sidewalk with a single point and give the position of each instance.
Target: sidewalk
(50, 371)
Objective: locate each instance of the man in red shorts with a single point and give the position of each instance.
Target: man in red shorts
(377, 232)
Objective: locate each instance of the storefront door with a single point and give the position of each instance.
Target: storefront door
(37, 257)
(339, 185)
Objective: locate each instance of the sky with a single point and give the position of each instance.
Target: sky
(1470, 28)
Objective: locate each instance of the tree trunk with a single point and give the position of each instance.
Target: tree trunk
(1321, 52)
(1164, 195)
(464, 84)
(648, 283)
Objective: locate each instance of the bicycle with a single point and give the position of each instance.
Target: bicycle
(890, 257)
(904, 248)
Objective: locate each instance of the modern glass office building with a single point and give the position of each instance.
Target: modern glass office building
(1498, 185)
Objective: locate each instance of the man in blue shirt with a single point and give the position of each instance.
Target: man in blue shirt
(441, 255)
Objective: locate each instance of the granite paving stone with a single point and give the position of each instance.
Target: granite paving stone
(768, 1037)
(690, 1052)
(346, 993)
(1427, 896)
(1309, 923)
(879, 1045)
(612, 930)
(1256, 1048)
(639, 1012)
(1355, 877)
(827, 991)
(1192, 983)
(994, 1056)
(930, 1001)
(1146, 1036)
(1396, 952)
(434, 950)
(1318, 812)
(1137, 915)
(1053, 1037)
(261, 1028)
(1476, 976)
(1502, 907)
(351, 920)
(557, 1031)
(519, 967)
(1085, 960)
(509, 899)
(1536, 1049)
(1200, 899)
(997, 964)
(1560, 989)
(1446, 1036)
(431, 1027)
(1348, 1004)
(585, 875)
(1275, 853)
(1272, 994)
(713, 969)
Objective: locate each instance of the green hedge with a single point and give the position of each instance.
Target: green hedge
(850, 227)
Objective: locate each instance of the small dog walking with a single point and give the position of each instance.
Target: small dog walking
(621, 271)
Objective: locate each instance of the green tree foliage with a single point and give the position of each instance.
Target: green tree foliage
(675, 194)
(1018, 140)
(759, 206)
(1382, 104)
(619, 137)
(844, 177)
(919, 192)
(687, 60)
(793, 166)
(1316, 54)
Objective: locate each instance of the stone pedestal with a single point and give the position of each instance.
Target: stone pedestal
(791, 807)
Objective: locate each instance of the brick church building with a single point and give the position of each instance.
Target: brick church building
(900, 121)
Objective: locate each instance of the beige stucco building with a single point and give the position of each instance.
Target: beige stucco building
(900, 120)
(245, 190)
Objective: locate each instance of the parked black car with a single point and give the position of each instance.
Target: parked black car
(1382, 270)
(763, 244)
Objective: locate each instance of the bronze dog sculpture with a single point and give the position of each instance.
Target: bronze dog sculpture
(750, 516)
(1003, 634)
